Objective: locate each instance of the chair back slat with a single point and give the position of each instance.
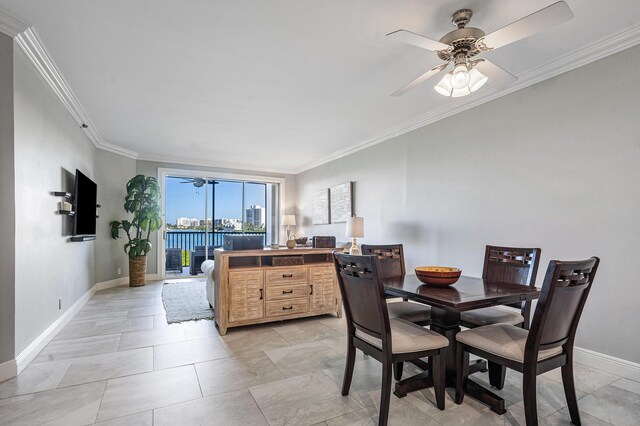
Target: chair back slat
(363, 294)
(564, 293)
(511, 264)
(391, 257)
(515, 265)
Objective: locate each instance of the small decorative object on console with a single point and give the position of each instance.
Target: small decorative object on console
(324, 242)
(243, 242)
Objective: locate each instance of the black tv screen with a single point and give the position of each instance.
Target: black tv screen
(86, 198)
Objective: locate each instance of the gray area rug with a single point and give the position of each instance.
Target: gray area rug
(186, 301)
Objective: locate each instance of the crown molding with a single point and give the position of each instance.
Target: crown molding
(11, 25)
(602, 48)
(31, 45)
(212, 164)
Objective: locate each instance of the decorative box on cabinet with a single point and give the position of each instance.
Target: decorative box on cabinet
(251, 291)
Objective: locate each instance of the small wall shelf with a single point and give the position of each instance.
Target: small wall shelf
(79, 238)
(66, 195)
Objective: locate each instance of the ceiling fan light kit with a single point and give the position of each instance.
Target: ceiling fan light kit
(462, 81)
(461, 44)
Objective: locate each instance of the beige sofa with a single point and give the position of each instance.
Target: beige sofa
(207, 267)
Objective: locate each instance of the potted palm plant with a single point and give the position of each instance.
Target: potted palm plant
(143, 200)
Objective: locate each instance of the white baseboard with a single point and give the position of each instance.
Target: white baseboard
(111, 283)
(30, 352)
(607, 363)
(8, 370)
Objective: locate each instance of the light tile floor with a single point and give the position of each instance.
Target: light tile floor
(118, 362)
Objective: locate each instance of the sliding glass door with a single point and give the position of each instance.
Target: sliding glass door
(200, 211)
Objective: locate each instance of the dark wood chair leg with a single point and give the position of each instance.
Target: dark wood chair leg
(385, 395)
(397, 370)
(438, 370)
(570, 391)
(348, 369)
(529, 397)
(462, 371)
(497, 374)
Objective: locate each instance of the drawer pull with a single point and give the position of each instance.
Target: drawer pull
(287, 275)
(261, 295)
(284, 308)
(311, 285)
(287, 292)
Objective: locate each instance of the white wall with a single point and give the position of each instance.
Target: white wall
(556, 165)
(49, 146)
(7, 210)
(113, 171)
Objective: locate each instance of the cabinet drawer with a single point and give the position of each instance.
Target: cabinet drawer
(281, 276)
(286, 291)
(286, 307)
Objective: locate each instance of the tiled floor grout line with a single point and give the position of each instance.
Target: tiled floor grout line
(106, 382)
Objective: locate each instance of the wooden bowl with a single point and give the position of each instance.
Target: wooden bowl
(441, 276)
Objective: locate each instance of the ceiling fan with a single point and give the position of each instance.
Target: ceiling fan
(462, 44)
(196, 181)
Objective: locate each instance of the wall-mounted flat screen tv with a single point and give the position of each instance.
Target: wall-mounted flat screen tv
(86, 198)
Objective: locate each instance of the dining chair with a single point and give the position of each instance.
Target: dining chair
(391, 257)
(511, 265)
(388, 340)
(547, 345)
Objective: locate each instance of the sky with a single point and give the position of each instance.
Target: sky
(185, 200)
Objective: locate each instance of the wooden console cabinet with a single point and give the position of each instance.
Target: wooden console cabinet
(249, 290)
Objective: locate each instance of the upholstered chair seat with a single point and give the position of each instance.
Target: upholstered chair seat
(486, 316)
(503, 340)
(409, 311)
(407, 337)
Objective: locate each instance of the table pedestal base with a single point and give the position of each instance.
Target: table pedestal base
(447, 323)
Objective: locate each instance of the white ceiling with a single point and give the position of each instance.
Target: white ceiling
(280, 84)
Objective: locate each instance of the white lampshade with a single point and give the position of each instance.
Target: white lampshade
(355, 227)
(288, 219)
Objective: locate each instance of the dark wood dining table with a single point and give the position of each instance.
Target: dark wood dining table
(446, 303)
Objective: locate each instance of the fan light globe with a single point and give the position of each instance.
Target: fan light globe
(460, 77)
(444, 87)
(449, 86)
(476, 80)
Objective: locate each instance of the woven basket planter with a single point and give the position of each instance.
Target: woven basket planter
(137, 271)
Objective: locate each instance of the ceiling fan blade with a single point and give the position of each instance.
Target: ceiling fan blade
(424, 77)
(538, 21)
(497, 77)
(414, 39)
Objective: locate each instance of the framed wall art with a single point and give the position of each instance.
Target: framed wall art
(341, 202)
(320, 207)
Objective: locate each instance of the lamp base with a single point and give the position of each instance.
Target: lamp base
(354, 250)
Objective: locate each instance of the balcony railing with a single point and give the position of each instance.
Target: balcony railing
(188, 240)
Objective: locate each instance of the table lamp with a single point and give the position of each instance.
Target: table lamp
(355, 229)
(288, 220)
